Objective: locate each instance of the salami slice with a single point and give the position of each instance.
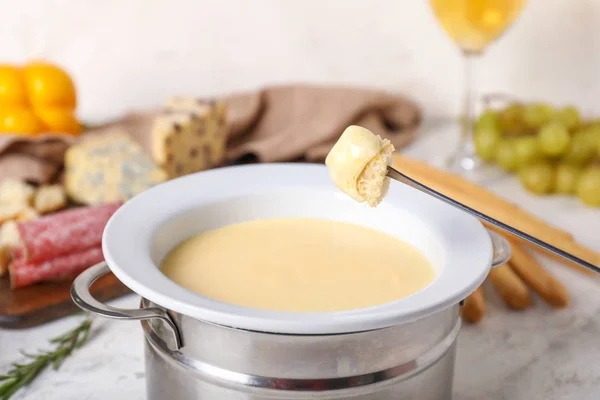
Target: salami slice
(63, 233)
(24, 273)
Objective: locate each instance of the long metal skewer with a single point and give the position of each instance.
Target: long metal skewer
(400, 177)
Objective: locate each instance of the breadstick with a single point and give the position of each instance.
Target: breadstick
(510, 287)
(474, 307)
(569, 246)
(446, 181)
(480, 199)
(537, 278)
(576, 250)
(487, 202)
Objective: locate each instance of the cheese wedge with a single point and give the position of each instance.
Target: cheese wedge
(189, 136)
(107, 169)
(49, 198)
(16, 192)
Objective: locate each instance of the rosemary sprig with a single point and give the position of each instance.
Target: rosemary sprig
(23, 374)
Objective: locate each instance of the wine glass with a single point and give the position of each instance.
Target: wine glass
(472, 25)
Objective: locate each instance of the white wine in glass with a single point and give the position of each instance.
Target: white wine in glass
(472, 25)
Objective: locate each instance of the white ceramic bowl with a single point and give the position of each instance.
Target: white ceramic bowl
(143, 230)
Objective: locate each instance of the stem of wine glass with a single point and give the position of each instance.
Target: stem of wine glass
(468, 103)
(464, 157)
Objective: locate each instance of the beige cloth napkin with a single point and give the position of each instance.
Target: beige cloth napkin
(36, 159)
(281, 123)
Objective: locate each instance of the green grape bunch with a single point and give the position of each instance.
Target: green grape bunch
(551, 149)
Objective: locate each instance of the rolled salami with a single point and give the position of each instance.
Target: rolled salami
(25, 273)
(63, 233)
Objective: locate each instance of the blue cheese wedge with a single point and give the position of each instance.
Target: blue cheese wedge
(109, 168)
(189, 136)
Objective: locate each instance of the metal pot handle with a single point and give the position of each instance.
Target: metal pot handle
(80, 293)
(502, 250)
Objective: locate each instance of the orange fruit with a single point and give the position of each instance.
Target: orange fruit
(49, 86)
(19, 120)
(12, 87)
(59, 120)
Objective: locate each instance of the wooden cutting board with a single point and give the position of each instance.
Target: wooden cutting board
(45, 302)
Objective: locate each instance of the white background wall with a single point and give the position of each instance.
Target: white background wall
(132, 53)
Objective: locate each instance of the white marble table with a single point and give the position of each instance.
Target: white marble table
(538, 354)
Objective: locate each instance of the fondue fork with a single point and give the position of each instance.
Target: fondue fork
(402, 178)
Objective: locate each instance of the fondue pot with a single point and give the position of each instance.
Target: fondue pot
(200, 348)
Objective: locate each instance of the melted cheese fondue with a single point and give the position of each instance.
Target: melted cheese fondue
(298, 264)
